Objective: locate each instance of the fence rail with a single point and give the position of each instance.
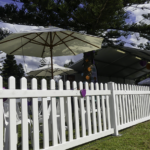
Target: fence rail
(67, 119)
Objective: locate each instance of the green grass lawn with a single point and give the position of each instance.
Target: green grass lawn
(134, 138)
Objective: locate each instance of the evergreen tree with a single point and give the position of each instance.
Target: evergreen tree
(10, 68)
(92, 16)
(3, 34)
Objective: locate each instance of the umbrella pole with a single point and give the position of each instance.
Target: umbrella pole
(52, 62)
(51, 48)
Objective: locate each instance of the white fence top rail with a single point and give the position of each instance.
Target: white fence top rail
(117, 92)
(46, 93)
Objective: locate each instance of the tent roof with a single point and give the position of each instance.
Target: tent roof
(109, 62)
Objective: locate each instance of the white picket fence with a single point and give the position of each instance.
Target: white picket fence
(106, 109)
(131, 105)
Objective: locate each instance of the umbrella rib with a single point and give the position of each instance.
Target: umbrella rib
(15, 38)
(44, 46)
(81, 40)
(43, 39)
(22, 45)
(65, 44)
(33, 40)
(54, 37)
(63, 39)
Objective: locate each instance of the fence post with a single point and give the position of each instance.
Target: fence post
(113, 113)
(12, 116)
(1, 115)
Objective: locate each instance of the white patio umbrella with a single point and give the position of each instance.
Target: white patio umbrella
(145, 82)
(49, 42)
(46, 71)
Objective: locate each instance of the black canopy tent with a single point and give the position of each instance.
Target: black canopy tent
(118, 62)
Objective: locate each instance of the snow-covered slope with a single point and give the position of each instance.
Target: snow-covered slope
(136, 13)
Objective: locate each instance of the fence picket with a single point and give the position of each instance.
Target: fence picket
(88, 111)
(98, 110)
(145, 97)
(45, 116)
(134, 103)
(93, 111)
(124, 114)
(35, 117)
(103, 109)
(137, 103)
(1, 115)
(24, 108)
(82, 111)
(54, 116)
(129, 103)
(69, 113)
(148, 110)
(140, 102)
(107, 108)
(62, 115)
(117, 107)
(126, 105)
(143, 100)
(141, 88)
(138, 106)
(12, 117)
(144, 106)
(142, 97)
(147, 102)
(120, 104)
(76, 113)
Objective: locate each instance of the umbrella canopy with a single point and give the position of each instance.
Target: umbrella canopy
(49, 42)
(145, 82)
(46, 71)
